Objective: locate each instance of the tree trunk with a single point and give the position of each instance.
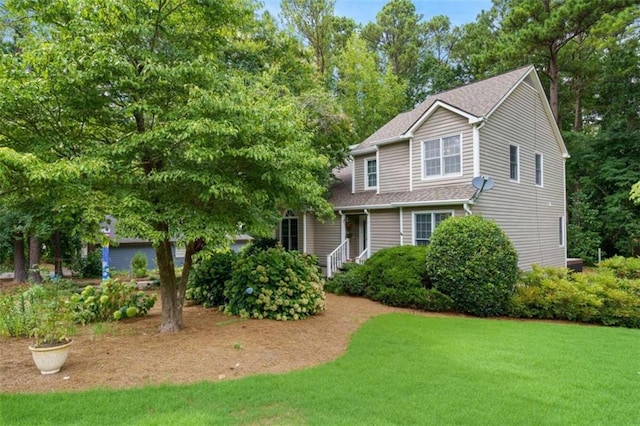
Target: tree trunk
(34, 259)
(19, 267)
(577, 119)
(186, 269)
(57, 254)
(171, 306)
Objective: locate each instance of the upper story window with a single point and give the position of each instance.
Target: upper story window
(538, 169)
(370, 173)
(442, 157)
(424, 224)
(514, 163)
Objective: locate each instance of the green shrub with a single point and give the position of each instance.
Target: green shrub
(112, 300)
(19, 312)
(139, 264)
(471, 260)
(90, 266)
(622, 267)
(599, 297)
(399, 267)
(275, 284)
(259, 244)
(351, 280)
(208, 276)
(416, 298)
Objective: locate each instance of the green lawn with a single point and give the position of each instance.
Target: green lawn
(399, 369)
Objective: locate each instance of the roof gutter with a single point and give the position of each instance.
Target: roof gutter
(404, 204)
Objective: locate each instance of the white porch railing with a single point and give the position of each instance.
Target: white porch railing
(363, 256)
(336, 258)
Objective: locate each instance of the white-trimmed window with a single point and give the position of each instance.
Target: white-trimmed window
(442, 157)
(371, 173)
(289, 231)
(561, 234)
(514, 163)
(539, 168)
(424, 223)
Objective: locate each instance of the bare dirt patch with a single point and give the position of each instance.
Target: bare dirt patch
(212, 347)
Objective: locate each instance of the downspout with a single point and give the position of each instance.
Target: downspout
(304, 233)
(353, 175)
(401, 229)
(343, 232)
(366, 211)
(411, 165)
(378, 170)
(467, 209)
(476, 147)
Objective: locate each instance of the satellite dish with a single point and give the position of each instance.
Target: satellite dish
(482, 183)
(477, 182)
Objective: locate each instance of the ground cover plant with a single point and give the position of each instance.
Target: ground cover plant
(399, 369)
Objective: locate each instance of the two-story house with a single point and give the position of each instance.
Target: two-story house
(417, 170)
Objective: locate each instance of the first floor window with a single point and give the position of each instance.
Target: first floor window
(424, 224)
(289, 231)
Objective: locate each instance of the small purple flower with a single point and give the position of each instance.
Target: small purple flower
(249, 290)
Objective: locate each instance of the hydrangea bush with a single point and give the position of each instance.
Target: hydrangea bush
(275, 284)
(112, 300)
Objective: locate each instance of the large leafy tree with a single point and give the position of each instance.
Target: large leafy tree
(367, 95)
(195, 138)
(313, 19)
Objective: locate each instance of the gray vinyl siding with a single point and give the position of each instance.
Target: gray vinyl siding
(358, 171)
(527, 213)
(442, 123)
(394, 167)
(310, 234)
(326, 238)
(385, 229)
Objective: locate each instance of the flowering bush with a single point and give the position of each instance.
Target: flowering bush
(112, 300)
(276, 284)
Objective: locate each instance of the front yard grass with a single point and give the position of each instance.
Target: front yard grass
(399, 369)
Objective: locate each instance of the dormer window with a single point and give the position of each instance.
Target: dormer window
(442, 157)
(371, 173)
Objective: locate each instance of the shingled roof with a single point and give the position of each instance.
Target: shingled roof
(342, 198)
(477, 99)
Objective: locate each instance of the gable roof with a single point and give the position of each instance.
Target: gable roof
(475, 101)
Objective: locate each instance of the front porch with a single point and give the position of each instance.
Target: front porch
(355, 236)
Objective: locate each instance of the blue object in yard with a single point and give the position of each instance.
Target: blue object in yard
(105, 262)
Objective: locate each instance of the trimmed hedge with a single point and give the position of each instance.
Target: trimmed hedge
(471, 260)
(394, 276)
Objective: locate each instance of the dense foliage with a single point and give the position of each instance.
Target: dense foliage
(139, 265)
(395, 276)
(471, 260)
(598, 297)
(113, 300)
(276, 284)
(90, 266)
(208, 278)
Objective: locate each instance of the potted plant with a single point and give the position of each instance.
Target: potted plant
(51, 331)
